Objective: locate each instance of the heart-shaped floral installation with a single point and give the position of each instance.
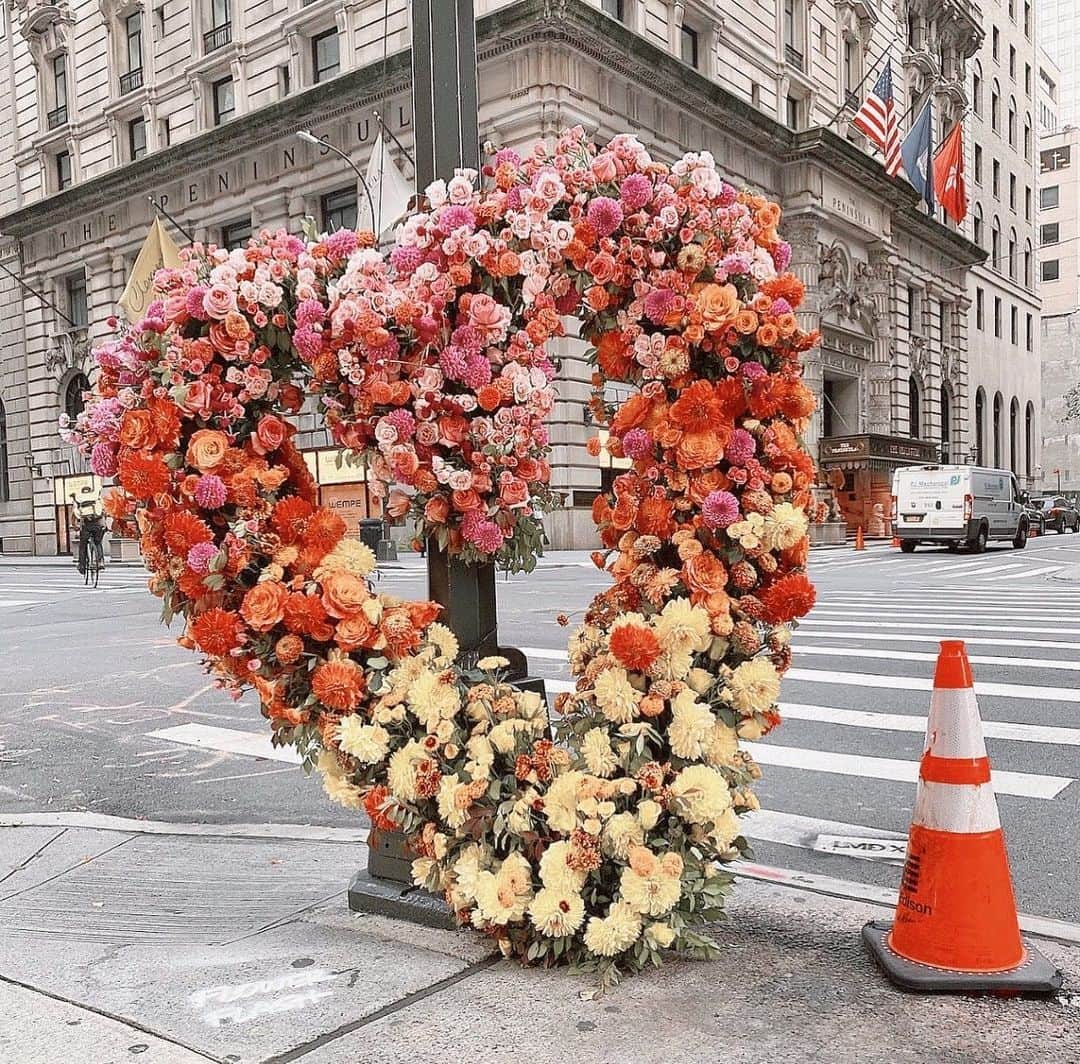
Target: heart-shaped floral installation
(602, 848)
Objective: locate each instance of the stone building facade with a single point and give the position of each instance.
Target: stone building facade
(198, 105)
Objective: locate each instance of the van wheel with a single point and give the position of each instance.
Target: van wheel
(907, 546)
(978, 544)
(952, 547)
(1020, 542)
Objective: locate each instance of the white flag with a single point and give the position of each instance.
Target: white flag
(390, 192)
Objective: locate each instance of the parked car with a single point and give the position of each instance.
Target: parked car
(957, 506)
(1059, 514)
(1036, 517)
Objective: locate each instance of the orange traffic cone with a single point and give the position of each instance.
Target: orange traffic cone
(956, 925)
(895, 541)
(859, 544)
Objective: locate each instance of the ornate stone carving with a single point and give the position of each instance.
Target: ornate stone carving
(952, 365)
(846, 297)
(919, 358)
(70, 349)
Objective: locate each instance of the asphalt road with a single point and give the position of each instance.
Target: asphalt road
(89, 679)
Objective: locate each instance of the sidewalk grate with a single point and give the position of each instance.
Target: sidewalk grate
(182, 890)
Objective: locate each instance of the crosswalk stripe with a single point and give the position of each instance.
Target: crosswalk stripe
(1030, 693)
(1032, 572)
(1020, 784)
(912, 637)
(963, 626)
(793, 829)
(227, 740)
(913, 722)
(1034, 613)
(913, 655)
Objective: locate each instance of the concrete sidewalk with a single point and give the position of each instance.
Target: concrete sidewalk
(183, 944)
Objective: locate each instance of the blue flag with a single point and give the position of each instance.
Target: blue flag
(916, 153)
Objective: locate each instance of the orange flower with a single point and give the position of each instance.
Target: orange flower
(374, 801)
(787, 598)
(183, 530)
(399, 631)
(635, 647)
(717, 304)
(781, 483)
(746, 322)
(305, 615)
(696, 409)
(137, 430)
(613, 355)
(165, 417)
(786, 286)
(264, 605)
(216, 632)
(654, 518)
(630, 414)
(338, 685)
(698, 449)
(767, 335)
(144, 475)
(489, 397)
(343, 594)
(206, 448)
(705, 573)
(355, 632)
(288, 649)
(768, 216)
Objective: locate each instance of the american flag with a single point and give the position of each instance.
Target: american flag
(878, 120)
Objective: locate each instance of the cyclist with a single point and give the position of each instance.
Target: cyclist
(91, 522)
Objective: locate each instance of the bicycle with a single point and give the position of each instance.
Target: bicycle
(91, 552)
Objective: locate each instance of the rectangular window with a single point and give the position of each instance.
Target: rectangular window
(133, 35)
(978, 164)
(996, 39)
(1027, 20)
(325, 55)
(1027, 202)
(1055, 158)
(793, 42)
(980, 309)
(236, 234)
(1014, 326)
(688, 46)
(220, 14)
(1027, 78)
(339, 210)
(166, 132)
(224, 100)
(851, 78)
(792, 112)
(58, 115)
(136, 138)
(1051, 269)
(1012, 62)
(63, 170)
(614, 8)
(995, 183)
(1012, 191)
(1049, 233)
(76, 299)
(997, 317)
(914, 304)
(284, 80)
(220, 32)
(1030, 333)
(1048, 197)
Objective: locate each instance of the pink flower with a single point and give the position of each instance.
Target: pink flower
(103, 460)
(477, 371)
(310, 312)
(781, 256)
(210, 492)
(307, 341)
(453, 362)
(483, 534)
(469, 338)
(635, 191)
(753, 371)
(740, 448)
(200, 556)
(194, 303)
(218, 301)
(404, 422)
(342, 244)
(781, 306)
(455, 217)
(406, 259)
(605, 215)
(719, 509)
(659, 303)
(637, 443)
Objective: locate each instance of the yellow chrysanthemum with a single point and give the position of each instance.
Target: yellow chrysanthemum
(503, 896)
(621, 832)
(337, 787)
(614, 933)
(433, 698)
(754, 686)
(648, 813)
(682, 624)
(722, 745)
(350, 555)
(557, 913)
(445, 642)
(556, 873)
(659, 935)
(615, 696)
(368, 743)
(451, 812)
(785, 525)
(401, 772)
(691, 726)
(474, 859)
(726, 829)
(703, 793)
(596, 751)
(651, 895)
(561, 802)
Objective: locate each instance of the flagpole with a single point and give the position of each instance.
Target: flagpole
(386, 129)
(158, 207)
(866, 77)
(34, 292)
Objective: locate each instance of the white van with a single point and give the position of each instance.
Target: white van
(957, 505)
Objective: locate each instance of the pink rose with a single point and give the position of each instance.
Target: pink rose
(269, 434)
(514, 492)
(486, 314)
(219, 301)
(427, 435)
(197, 398)
(605, 167)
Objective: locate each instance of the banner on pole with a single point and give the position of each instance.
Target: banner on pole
(158, 250)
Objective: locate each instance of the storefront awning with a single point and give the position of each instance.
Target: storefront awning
(873, 451)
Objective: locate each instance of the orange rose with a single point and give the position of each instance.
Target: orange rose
(269, 435)
(597, 298)
(489, 397)
(698, 449)
(717, 304)
(397, 505)
(206, 448)
(465, 500)
(509, 264)
(437, 509)
(264, 605)
(343, 594)
(355, 632)
(767, 335)
(137, 430)
(746, 322)
(768, 216)
(781, 483)
(705, 573)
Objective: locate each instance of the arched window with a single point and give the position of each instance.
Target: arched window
(1028, 259)
(995, 245)
(980, 427)
(1029, 439)
(976, 88)
(946, 423)
(1027, 137)
(995, 106)
(1012, 254)
(914, 425)
(5, 475)
(977, 227)
(998, 403)
(73, 395)
(1012, 121)
(1014, 435)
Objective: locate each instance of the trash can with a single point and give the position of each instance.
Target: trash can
(371, 532)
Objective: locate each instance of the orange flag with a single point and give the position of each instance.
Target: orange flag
(949, 186)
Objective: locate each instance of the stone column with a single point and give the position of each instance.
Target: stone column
(801, 232)
(879, 280)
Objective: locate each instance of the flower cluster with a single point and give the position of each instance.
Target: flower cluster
(602, 848)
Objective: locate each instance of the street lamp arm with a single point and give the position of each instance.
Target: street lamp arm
(310, 138)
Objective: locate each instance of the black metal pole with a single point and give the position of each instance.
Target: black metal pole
(161, 210)
(37, 295)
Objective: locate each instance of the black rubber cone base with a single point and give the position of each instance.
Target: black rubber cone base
(399, 901)
(1036, 976)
